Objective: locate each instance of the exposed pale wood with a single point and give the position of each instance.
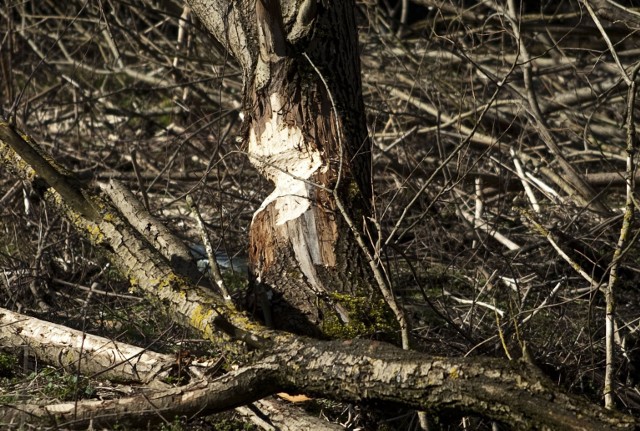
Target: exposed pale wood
(287, 418)
(307, 135)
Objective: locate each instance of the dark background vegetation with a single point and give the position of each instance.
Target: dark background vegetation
(137, 91)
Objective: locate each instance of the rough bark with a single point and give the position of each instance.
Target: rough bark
(158, 235)
(78, 351)
(87, 354)
(361, 371)
(202, 396)
(509, 392)
(307, 134)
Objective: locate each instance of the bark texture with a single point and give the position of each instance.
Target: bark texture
(203, 397)
(306, 133)
(87, 354)
(362, 371)
(74, 350)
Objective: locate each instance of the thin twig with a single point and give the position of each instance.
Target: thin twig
(525, 182)
(484, 226)
(543, 304)
(450, 156)
(605, 36)
(136, 171)
(474, 303)
(549, 236)
(610, 332)
(576, 180)
(214, 269)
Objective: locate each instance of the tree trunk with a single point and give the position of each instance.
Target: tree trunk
(306, 134)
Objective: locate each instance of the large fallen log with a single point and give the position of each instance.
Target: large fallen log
(78, 352)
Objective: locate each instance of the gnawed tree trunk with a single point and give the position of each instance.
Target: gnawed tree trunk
(307, 134)
(359, 370)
